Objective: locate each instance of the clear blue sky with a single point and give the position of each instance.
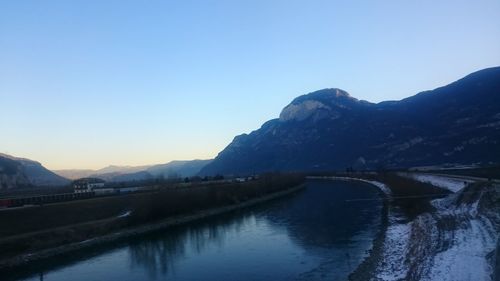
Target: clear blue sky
(84, 84)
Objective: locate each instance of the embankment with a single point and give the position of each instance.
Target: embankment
(405, 199)
(454, 237)
(139, 214)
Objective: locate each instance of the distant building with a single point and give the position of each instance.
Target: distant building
(245, 179)
(87, 185)
(240, 179)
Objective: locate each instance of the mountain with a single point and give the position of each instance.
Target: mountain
(12, 174)
(178, 168)
(113, 173)
(20, 172)
(124, 177)
(74, 174)
(121, 169)
(330, 130)
(106, 172)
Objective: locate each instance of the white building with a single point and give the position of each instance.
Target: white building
(87, 185)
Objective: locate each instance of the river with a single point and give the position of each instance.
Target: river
(314, 234)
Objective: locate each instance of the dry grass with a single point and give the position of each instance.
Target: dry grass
(35, 228)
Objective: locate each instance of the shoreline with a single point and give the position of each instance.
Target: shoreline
(381, 186)
(432, 245)
(366, 269)
(24, 259)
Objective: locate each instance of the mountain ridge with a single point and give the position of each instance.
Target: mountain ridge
(329, 129)
(116, 173)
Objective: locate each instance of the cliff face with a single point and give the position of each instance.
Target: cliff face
(328, 129)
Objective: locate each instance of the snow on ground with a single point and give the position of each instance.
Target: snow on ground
(463, 238)
(392, 265)
(451, 244)
(451, 183)
(125, 214)
(380, 185)
(466, 258)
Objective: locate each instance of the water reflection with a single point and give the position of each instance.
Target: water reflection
(313, 235)
(160, 252)
(319, 220)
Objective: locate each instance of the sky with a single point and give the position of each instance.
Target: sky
(86, 84)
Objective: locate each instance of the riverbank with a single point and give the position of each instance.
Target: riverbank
(26, 258)
(365, 269)
(457, 239)
(381, 186)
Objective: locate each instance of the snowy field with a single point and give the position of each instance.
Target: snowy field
(451, 183)
(473, 237)
(466, 259)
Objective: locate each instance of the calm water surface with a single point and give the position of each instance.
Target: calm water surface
(312, 235)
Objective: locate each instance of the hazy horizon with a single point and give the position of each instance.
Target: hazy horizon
(85, 84)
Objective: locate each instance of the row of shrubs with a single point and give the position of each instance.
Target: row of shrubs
(29, 229)
(170, 202)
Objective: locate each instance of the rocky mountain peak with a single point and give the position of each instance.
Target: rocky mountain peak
(318, 105)
(328, 129)
(326, 95)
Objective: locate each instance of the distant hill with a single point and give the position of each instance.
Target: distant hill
(121, 169)
(12, 174)
(19, 172)
(124, 177)
(74, 174)
(329, 129)
(105, 173)
(112, 173)
(178, 168)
